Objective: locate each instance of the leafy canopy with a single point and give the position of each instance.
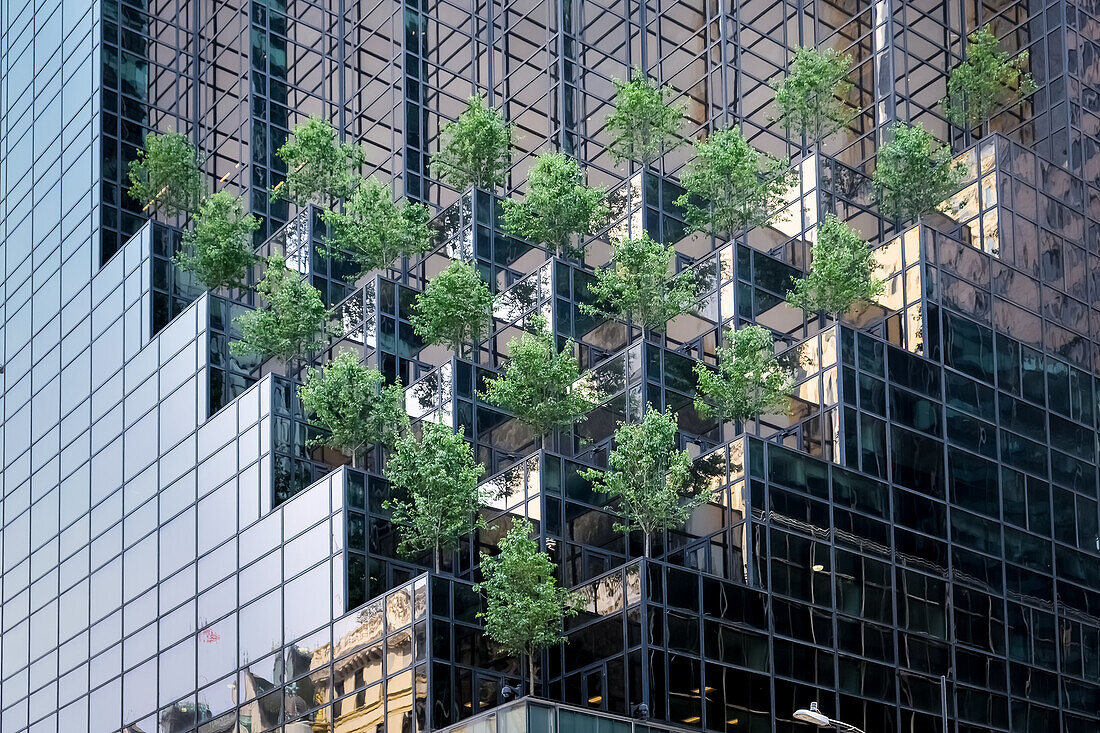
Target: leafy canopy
(476, 148)
(293, 323)
(648, 476)
(318, 165)
(354, 404)
(219, 248)
(165, 176)
(749, 380)
(374, 230)
(435, 490)
(731, 185)
(557, 206)
(644, 125)
(539, 384)
(914, 173)
(455, 308)
(811, 97)
(987, 80)
(637, 286)
(841, 271)
(524, 605)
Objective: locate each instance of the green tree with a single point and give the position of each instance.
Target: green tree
(219, 248)
(914, 173)
(637, 285)
(354, 404)
(811, 98)
(841, 272)
(456, 308)
(435, 490)
(731, 185)
(165, 176)
(294, 322)
(524, 606)
(987, 80)
(374, 230)
(644, 125)
(557, 206)
(749, 380)
(648, 476)
(476, 149)
(539, 384)
(317, 164)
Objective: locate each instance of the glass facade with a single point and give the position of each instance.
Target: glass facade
(915, 545)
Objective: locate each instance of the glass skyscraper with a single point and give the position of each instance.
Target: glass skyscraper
(915, 547)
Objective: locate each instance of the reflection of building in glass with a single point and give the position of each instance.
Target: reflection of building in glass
(179, 555)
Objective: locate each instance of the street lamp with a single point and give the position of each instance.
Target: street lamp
(815, 716)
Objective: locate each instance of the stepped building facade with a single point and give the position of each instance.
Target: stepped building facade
(914, 547)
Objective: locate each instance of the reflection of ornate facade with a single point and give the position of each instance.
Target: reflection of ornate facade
(175, 556)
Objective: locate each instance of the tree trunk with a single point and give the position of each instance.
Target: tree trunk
(438, 557)
(531, 674)
(646, 544)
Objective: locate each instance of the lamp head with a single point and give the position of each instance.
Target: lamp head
(813, 715)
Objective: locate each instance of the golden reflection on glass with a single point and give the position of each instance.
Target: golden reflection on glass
(991, 233)
(829, 390)
(726, 302)
(359, 713)
(399, 702)
(988, 155)
(725, 263)
(828, 347)
(809, 391)
(913, 288)
(399, 607)
(964, 204)
(737, 459)
(399, 651)
(888, 259)
(912, 245)
(420, 597)
(892, 297)
(914, 328)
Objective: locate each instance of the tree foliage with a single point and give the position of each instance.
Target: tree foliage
(731, 185)
(455, 308)
(841, 271)
(648, 476)
(476, 148)
(749, 381)
(524, 605)
(435, 496)
(218, 250)
(165, 176)
(319, 166)
(914, 173)
(354, 404)
(557, 206)
(294, 322)
(644, 125)
(539, 384)
(374, 230)
(987, 80)
(811, 98)
(637, 285)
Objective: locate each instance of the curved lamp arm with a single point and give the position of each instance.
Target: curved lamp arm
(816, 717)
